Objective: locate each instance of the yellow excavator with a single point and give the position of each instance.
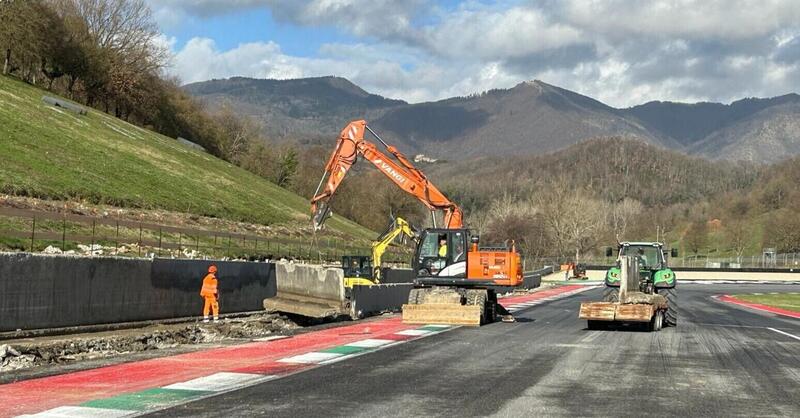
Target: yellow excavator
(363, 271)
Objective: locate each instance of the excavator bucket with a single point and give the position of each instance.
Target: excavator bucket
(444, 306)
(442, 313)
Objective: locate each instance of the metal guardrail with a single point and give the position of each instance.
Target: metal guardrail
(714, 269)
(782, 260)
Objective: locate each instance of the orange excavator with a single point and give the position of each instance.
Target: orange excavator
(456, 280)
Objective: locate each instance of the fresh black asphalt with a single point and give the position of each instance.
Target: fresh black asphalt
(720, 360)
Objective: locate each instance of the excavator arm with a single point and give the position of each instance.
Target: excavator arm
(399, 170)
(398, 227)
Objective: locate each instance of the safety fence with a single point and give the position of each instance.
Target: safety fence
(41, 291)
(53, 232)
(775, 261)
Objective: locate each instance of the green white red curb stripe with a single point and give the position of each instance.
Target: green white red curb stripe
(149, 400)
(516, 304)
(132, 389)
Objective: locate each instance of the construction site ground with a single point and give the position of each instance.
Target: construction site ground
(721, 360)
(47, 352)
(38, 356)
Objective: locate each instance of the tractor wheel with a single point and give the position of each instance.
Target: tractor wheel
(671, 316)
(657, 322)
(611, 294)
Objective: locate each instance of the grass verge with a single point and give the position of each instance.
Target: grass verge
(788, 301)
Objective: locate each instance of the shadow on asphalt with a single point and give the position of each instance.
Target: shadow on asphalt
(524, 320)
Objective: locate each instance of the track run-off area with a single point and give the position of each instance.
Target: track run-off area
(722, 359)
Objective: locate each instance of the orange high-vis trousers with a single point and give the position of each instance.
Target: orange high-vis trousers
(210, 304)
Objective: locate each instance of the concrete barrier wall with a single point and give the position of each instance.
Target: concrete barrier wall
(43, 291)
(310, 281)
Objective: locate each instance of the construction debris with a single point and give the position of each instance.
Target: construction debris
(38, 352)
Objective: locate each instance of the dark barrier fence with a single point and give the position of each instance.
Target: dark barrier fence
(40, 291)
(390, 275)
(384, 298)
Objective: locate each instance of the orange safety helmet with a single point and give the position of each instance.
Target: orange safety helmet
(212, 269)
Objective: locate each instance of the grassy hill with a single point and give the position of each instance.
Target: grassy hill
(51, 153)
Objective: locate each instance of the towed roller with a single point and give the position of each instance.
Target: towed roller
(629, 304)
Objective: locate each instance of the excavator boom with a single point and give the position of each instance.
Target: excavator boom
(455, 280)
(399, 227)
(399, 170)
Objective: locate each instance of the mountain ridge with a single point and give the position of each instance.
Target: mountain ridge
(532, 117)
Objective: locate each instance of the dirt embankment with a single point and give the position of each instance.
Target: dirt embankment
(297, 230)
(27, 353)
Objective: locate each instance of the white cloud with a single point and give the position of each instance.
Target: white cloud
(694, 19)
(622, 52)
(499, 34)
(201, 60)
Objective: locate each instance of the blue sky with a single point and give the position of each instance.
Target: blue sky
(230, 30)
(623, 52)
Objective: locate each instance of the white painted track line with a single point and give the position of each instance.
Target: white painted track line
(413, 332)
(370, 343)
(785, 333)
(310, 358)
(81, 412)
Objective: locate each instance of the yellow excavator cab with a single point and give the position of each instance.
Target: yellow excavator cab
(363, 271)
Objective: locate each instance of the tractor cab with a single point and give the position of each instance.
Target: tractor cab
(653, 267)
(357, 270)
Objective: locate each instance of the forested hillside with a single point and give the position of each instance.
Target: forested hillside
(533, 117)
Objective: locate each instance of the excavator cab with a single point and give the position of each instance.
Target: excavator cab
(357, 270)
(442, 253)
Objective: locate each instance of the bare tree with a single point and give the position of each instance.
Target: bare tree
(783, 231)
(127, 29)
(621, 214)
(238, 133)
(573, 218)
(738, 233)
(697, 235)
(24, 29)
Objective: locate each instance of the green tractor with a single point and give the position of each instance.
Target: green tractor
(655, 277)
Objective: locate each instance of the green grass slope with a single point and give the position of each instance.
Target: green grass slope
(51, 153)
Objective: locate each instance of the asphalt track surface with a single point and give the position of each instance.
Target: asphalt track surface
(721, 360)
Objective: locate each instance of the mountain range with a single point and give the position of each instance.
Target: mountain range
(530, 118)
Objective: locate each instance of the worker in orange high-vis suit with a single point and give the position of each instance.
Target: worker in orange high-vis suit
(210, 294)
